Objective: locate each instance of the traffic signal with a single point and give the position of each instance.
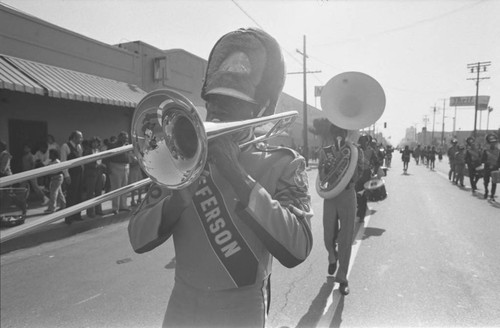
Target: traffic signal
(385, 125)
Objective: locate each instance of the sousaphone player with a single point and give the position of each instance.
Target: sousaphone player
(339, 212)
(351, 101)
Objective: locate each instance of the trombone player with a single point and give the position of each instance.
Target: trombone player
(249, 205)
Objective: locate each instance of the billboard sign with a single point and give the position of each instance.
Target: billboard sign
(482, 103)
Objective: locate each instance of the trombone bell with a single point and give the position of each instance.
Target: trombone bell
(167, 138)
(171, 141)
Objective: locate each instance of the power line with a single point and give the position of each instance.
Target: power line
(405, 27)
(260, 26)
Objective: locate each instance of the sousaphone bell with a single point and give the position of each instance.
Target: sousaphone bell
(352, 101)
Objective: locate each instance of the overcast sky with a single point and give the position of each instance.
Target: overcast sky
(417, 50)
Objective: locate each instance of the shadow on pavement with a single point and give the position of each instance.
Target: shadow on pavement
(337, 317)
(58, 231)
(494, 203)
(315, 311)
(372, 232)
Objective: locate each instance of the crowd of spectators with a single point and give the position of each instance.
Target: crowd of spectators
(77, 184)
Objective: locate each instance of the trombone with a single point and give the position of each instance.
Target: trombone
(171, 142)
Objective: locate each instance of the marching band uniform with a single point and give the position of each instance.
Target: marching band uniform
(490, 159)
(339, 214)
(473, 160)
(451, 157)
(405, 157)
(416, 154)
(224, 243)
(459, 160)
(369, 160)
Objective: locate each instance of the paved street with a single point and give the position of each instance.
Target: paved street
(426, 256)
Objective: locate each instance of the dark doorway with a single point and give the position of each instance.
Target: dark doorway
(21, 133)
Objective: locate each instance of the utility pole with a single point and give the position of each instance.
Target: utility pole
(433, 124)
(454, 120)
(426, 119)
(305, 72)
(476, 68)
(442, 129)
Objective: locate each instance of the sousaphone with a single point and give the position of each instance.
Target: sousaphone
(352, 101)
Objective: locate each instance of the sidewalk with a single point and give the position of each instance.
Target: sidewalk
(59, 229)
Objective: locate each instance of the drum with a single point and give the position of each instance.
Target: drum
(495, 176)
(375, 190)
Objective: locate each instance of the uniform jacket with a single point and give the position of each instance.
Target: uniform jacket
(490, 159)
(219, 243)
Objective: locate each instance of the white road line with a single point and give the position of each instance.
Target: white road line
(333, 300)
(88, 299)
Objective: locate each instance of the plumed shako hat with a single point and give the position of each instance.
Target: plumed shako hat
(246, 64)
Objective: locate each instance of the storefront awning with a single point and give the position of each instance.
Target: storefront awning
(32, 77)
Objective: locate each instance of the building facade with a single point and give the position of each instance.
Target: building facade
(54, 81)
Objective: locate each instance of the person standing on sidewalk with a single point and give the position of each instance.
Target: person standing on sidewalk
(119, 170)
(18, 196)
(339, 213)
(56, 181)
(74, 175)
(93, 175)
(28, 163)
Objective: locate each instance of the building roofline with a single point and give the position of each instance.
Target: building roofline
(18, 12)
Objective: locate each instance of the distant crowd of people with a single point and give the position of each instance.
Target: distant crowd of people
(473, 159)
(481, 162)
(425, 155)
(77, 184)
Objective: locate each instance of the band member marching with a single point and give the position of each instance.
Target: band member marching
(490, 159)
(473, 160)
(347, 110)
(249, 205)
(339, 212)
(370, 165)
(451, 158)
